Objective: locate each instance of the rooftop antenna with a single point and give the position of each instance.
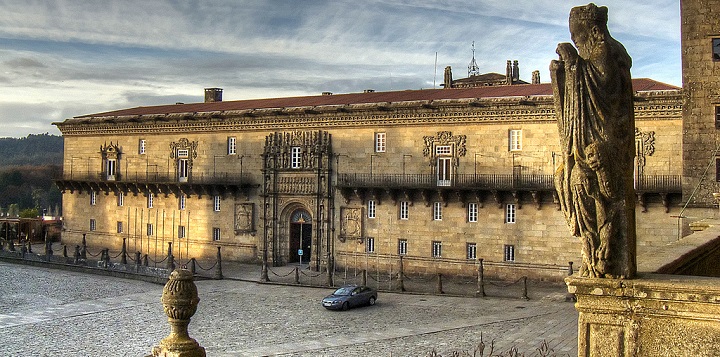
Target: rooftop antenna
(473, 69)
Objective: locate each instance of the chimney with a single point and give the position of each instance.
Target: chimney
(213, 95)
(448, 77)
(326, 93)
(369, 91)
(508, 72)
(536, 77)
(515, 72)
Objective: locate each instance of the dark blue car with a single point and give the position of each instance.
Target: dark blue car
(350, 296)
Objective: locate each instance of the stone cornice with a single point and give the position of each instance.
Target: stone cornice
(660, 105)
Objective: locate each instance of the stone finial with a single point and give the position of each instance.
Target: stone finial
(536, 77)
(180, 300)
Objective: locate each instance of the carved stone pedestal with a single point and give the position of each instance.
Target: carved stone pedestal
(180, 300)
(654, 315)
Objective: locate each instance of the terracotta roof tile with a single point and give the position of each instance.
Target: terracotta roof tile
(544, 89)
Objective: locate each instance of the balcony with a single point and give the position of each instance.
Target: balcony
(501, 187)
(159, 183)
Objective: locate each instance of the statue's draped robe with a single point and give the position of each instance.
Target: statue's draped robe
(593, 100)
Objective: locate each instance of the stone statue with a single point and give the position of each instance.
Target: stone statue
(594, 107)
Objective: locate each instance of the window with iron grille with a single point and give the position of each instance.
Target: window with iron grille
(119, 227)
(370, 245)
(472, 251)
(402, 247)
(93, 225)
(436, 249)
(216, 233)
(509, 253)
(716, 49)
(181, 231)
(150, 230)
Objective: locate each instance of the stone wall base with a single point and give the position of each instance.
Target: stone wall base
(654, 315)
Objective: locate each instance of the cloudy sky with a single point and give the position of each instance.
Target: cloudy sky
(60, 59)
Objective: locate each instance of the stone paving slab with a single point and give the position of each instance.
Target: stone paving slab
(65, 313)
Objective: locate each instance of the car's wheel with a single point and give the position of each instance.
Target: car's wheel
(345, 306)
(371, 302)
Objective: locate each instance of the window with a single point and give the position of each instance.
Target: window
(93, 225)
(216, 233)
(370, 245)
(436, 249)
(716, 49)
(216, 203)
(717, 117)
(444, 167)
(437, 211)
(472, 212)
(111, 167)
(515, 140)
(93, 198)
(151, 198)
(380, 142)
(509, 253)
(120, 199)
(404, 210)
(119, 227)
(471, 251)
(371, 209)
(510, 213)
(182, 201)
(295, 158)
(402, 247)
(141, 147)
(181, 231)
(149, 229)
(231, 146)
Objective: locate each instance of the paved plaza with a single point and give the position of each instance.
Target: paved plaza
(47, 312)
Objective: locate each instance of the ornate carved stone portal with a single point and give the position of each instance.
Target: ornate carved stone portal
(296, 175)
(594, 107)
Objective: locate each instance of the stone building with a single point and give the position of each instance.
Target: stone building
(441, 176)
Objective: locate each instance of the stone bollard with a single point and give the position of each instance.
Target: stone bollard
(107, 258)
(11, 245)
(123, 253)
(439, 284)
(525, 295)
(83, 251)
(297, 275)
(65, 251)
(145, 260)
(171, 260)
(192, 266)
(330, 270)
(218, 267)
(137, 259)
(401, 275)
(77, 254)
(2, 246)
(264, 273)
(570, 297)
(363, 277)
(180, 300)
(481, 279)
(29, 249)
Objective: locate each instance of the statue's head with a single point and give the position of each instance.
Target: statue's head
(588, 26)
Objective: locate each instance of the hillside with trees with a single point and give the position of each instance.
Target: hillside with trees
(27, 169)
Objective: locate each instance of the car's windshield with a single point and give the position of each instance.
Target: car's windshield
(343, 291)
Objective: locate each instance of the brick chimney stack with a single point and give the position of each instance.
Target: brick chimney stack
(536, 77)
(213, 95)
(515, 72)
(509, 72)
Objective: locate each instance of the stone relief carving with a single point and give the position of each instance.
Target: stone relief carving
(244, 213)
(644, 146)
(594, 107)
(445, 138)
(350, 223)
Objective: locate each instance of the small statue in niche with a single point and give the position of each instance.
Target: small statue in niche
(594, 106)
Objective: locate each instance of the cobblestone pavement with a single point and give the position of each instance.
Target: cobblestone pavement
(46, 312)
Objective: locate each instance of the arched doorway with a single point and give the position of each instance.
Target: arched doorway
(300, 236)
